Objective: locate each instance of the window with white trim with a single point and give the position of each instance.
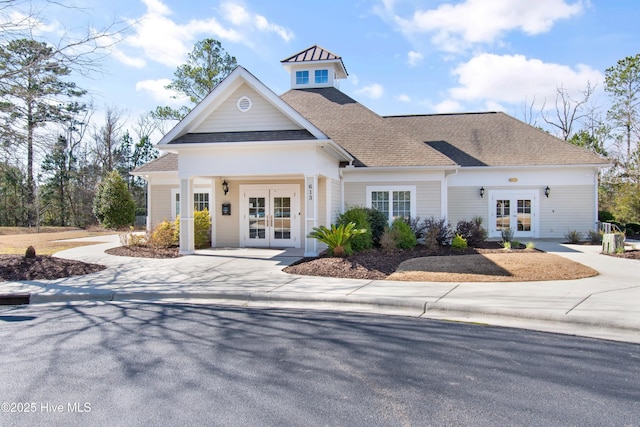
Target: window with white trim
(200, 202)
(302, 77)
(322, 76)
(393, 201)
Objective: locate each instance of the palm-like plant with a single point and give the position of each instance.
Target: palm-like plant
(337, 238)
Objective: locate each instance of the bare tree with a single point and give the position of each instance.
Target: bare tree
(568, 111)
(106, 138)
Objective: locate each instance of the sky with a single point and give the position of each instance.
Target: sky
(402, 56)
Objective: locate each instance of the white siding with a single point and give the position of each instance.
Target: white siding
(465, 203)
(335, 202)
(262, 116)
(161, 203)
(567, 208)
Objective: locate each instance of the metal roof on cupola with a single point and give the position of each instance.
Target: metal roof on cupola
(318, 55)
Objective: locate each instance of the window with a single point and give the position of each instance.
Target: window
(200, 202)
(322, 76)
(302, 77)
(393, 202)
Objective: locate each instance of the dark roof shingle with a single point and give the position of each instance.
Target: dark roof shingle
(492, 139)
(249, 136)
(372, 140)
(165, 163)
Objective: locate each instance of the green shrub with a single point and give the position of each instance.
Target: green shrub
(438, 229)
(530, 245)
(506, 244)
(605, 216)
(515, 244)
(377, 223)
(632, 228)
(472, 231)
(202, 229)
(459, 242)
(405, 238)
(163, 235)
(417, 226)
(338, 238)
(359, 217)
(113, 205)
(574, 236)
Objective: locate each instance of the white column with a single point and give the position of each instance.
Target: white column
(214, 210)
(186, 216)
(311, 214)
(149, 225)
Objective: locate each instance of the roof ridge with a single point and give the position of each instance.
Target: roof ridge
(442, 114)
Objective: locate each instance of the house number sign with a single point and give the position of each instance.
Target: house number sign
(310, 191)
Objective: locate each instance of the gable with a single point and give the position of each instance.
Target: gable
(261, 116)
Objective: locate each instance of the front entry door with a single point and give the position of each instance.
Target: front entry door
(270, 217)
(515, 211)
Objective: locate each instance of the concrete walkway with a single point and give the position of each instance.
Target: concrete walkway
(606, 306)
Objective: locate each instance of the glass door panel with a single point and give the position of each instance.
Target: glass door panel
(503, 214)
(281, 218)
(257, 218)
(524, 215)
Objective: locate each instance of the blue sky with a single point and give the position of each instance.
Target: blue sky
(403, 56)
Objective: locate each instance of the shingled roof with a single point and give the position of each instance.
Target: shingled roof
(492, 139)
(315, 53)
(372, 140)
(165, 163)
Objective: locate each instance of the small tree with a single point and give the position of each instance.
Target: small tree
(113, 205)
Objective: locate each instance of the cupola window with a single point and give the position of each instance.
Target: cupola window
(302, 77)
(322, 76)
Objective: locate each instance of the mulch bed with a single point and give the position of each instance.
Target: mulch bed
(376, 264)
(18, 267)
(634, 254)
(144, 252)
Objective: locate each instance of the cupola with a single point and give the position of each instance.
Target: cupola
(315, 67)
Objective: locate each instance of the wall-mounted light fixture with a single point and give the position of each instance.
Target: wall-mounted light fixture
(225, 187)
(547, 191)
(481, 191)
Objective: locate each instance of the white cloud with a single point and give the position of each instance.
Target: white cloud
(403, 98)
(456, 27)
(157, 90)
(413, 58)
(448, 106)
(166, 41)
(373, 91)
(498, 79)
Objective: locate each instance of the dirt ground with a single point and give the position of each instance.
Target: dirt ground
(45, 243)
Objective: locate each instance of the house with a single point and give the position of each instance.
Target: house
(271, 168)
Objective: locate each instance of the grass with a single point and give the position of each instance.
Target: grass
(492, 267)
(16, 240)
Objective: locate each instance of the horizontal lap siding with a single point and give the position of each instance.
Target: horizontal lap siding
(335, 202)
(261, 117)
(161, 203)
(465, 203)
(567, 208)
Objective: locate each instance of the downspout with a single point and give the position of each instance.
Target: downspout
(445, 194)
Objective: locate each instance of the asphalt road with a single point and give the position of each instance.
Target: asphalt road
(185, 364)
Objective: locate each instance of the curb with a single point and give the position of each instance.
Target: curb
(419, 308)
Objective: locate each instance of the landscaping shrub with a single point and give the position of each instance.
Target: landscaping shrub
(574, 236)
(605, 216)
(506, 234)
(113, 205)
(163, 235)
(388, 240)
(506, 244)
(472, 231)
(137, 239)
(358, 216)
(377, 223)
(418, 226)
(632, 228)
(202, 229)
(530, 245)
(438, 229)
(595, 237)
(459, 242)
(404, 238)
(338, 238)
(30, 252)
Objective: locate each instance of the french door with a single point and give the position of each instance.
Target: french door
(515, 211)
(270, 216)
